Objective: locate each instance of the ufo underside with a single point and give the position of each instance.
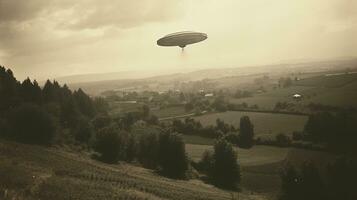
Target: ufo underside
(181, 39)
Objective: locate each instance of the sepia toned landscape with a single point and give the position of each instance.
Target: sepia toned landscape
(178, 100)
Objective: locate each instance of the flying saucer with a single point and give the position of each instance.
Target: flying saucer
(181, 39)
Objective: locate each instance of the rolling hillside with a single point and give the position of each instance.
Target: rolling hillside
(34, 172)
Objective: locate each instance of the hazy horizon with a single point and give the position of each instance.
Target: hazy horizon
(56, 38)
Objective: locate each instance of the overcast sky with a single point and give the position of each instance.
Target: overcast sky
(49, 38)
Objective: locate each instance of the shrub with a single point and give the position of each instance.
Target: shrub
(298, 135)
(282, 140)
(232, 137)
(31, 124)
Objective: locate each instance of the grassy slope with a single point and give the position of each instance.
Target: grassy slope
(33, 172)
(264, 123)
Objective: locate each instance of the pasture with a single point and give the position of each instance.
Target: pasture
(169, 111)
(257, 155)
(264, 123)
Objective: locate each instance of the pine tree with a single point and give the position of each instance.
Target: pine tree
(246, 133)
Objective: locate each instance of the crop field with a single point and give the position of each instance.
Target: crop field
(329, 81)
(33, 172)
(169, 112)
(118, 107)
(195, 139)
(264, 123)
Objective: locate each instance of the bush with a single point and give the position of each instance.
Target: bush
(282, 140)
(232, 137)
(298, 135)
(31, 124)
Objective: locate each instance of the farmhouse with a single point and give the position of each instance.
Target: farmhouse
(209, 95)
(297, 96)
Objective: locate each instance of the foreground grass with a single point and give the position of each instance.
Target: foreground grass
(33, 172)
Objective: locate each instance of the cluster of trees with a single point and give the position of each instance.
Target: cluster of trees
(337, 130)
(31, 114)
(160, 150)
(221, 165)
(189, 126)
(35, 115)
(306, 182)
(243, 137)
(280, 140)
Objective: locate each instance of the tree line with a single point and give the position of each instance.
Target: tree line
(243, 137)
(53, 114)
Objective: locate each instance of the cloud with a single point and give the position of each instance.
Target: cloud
(50, 37)
(125, 14)
(36, 26)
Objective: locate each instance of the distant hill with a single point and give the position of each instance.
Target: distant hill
(97, 83)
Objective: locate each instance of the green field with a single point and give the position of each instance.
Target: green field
(169, 111)
(264, 123)
(257, 155)
(195, 139)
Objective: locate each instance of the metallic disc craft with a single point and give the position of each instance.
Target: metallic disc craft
(181, 39)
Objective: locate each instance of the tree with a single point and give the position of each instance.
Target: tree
(9, 96)
(225, 169)
(83, 130)
(146, 111)
(31, 92)
(172, 155)
(148, 150)
(312, 184)
(108, 144)
(342, 176)
(290, 183)
(206, 163)
(304, 183)
(101, 121)
(246, 133)
(31, 124)
(84, 103)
